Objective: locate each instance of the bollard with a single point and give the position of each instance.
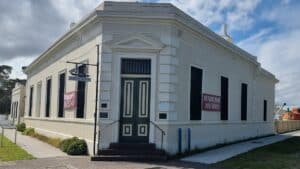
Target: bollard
(189, 139)
(179, 140)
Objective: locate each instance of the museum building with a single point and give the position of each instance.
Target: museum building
(164, 79)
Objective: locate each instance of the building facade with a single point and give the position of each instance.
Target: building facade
(160, 71)
(17, 103)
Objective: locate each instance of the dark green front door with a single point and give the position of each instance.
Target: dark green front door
(135, 110)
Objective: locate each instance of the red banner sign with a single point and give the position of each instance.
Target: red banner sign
(211, 102)
(70, 100)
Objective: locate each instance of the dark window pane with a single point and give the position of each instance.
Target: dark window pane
(196, 94)
(265, 110)
(62, 81)
(136, 66)
(30, 101)
(81, 93)
(224, 98)
(48, 98)
(244, 102)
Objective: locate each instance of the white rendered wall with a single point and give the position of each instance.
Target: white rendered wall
(215, 61)
(79, 48)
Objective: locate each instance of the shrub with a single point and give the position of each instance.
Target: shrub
(66, 142)
(78, 147)
(74, 146)
(21, 127)
(29, 132)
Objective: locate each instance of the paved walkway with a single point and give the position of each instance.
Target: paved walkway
(33, 146)
(227, 152)
(72, 162)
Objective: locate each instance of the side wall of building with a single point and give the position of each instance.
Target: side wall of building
(216, 61)
(79, 48)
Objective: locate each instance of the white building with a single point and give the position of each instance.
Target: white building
(159, 69)
(17, 103)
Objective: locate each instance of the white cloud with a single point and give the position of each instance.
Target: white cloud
(280, 54)
(234, 12)
(286, 16)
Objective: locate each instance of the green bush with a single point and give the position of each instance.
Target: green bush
(29, 132)
(74, 146)
(21, 127)
(64, 144)
(79, 147)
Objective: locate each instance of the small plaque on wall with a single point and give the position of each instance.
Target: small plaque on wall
(103, 105)
(103, 115)
(163, 116)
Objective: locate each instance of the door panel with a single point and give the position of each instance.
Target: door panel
(135, 106)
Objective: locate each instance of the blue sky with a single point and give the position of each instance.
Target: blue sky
(268, 29)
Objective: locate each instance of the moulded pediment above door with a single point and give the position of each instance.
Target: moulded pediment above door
(138, 42)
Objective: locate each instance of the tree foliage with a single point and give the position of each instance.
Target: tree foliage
(6, 86)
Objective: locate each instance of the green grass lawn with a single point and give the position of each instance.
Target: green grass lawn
(11, 152)
(282, 155)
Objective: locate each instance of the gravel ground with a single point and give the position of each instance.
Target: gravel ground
(85, 163)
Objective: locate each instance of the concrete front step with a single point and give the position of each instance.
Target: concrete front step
(129, 158)
(130, 152)
(133, 146)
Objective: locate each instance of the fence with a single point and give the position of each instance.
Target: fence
(283, 126)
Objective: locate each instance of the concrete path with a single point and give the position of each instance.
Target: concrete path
(33, 146)
(72, 162)
(227, 152)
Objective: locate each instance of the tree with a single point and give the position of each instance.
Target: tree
(6, 86)
(5, 71)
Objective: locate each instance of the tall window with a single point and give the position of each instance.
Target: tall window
(196, 94)
(81, 93)
(16, 109)
(38, 99)
(30, 101)
(224, 98)
(62, 84)
(48, 98)
(12, 109)
(244, 101)
(265, 110)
